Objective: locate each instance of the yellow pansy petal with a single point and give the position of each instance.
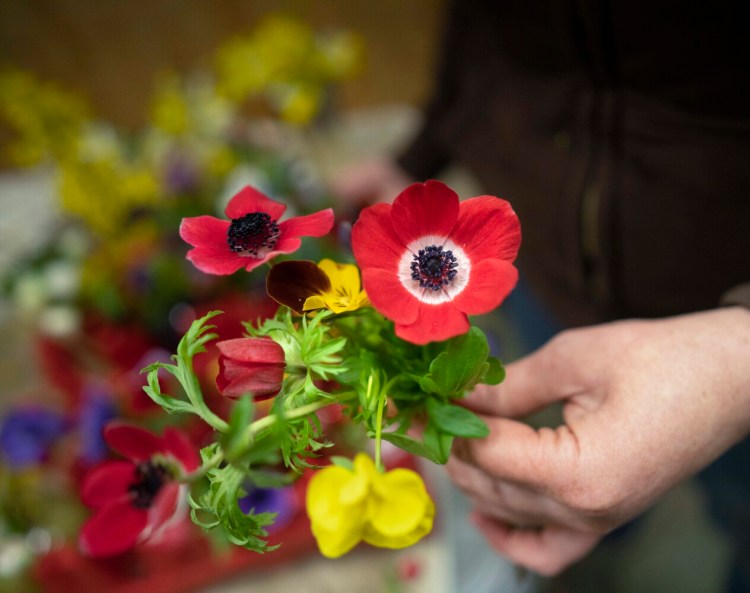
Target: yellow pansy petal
(322, 499)
(355, 490)
(400, 503)
(342, 276)
(336, 505)
(361, 300)
(337, 542)
(364, 466)
(375, 538)
(314, 302)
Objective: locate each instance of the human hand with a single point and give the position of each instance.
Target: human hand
(645, 404)
(369, 181)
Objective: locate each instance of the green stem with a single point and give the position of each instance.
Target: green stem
(379, 429)
(212, 463)
(195, 395)
(267, 421)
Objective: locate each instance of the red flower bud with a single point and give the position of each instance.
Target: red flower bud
(250, 366)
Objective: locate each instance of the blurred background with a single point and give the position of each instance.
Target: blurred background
(119, 118)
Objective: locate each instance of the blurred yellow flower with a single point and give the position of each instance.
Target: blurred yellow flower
(288, 64)
(104, 193)
(297, 104)
(169, 109)
(47, 119)
(344, 293)
(385, 509)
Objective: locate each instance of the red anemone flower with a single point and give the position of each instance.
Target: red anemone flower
(429, 260)
(134, 498)
(251, 237)
(250, 365)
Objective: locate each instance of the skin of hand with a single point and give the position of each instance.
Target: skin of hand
(369, 181)
(645, 405)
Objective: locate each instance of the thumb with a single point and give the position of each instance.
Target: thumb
(553, 373)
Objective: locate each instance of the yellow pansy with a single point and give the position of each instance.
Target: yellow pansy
(344, 292)
(385, 509)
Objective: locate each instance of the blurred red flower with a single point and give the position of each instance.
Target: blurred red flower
(134, 498)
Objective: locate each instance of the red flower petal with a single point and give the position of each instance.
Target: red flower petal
(424, 209)
(487, 228)
(163, 508)
(182, 449)
(285, 245)
(312, 225)
(107, 483)
(435, 323)
(262, 382)
(374, 242)
(389, 297)
(133, 442)
(205, 231)
(490, 282)
(211, 253)
(250, 200)
(220, 261)
(252, 350)
(114, 529)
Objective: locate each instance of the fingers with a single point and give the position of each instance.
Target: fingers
(519, 453)
(504, 500)
(547, 551)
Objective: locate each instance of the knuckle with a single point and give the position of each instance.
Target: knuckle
(596, 499)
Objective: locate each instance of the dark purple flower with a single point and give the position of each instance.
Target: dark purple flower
(271, 500)
(27, 434)
(97, 409)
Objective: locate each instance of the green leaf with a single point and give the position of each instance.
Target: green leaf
(170, 404)
(428, 385)
(217, 508)
(495, 373)
(455, 420)
(344, 462)
(438, 441)
(415, 447)
(460, 366)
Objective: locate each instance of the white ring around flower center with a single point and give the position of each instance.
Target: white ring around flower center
(447, 292)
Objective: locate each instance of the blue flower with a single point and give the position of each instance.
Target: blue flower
(271, 500)
(96, 411)
(27, 434)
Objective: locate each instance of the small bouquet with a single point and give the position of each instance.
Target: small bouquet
(386, 342)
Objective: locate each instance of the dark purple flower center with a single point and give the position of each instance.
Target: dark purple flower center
(433, 268)
(253, 233)
(149, 478)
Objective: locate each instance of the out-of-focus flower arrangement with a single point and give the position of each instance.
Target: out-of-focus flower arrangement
(109, 291)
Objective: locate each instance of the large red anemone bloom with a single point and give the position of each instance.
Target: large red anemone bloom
(252, 236)
(429, 260)
(134, 498)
